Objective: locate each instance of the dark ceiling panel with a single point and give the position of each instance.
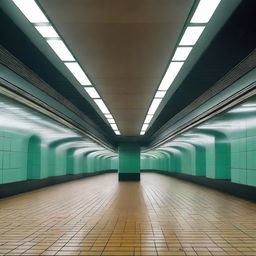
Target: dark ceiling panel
(231, 45)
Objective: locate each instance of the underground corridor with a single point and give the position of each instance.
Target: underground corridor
(128, 127)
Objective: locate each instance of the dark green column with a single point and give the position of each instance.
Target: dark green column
(129, 161)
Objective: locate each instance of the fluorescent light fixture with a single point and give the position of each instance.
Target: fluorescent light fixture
(144, 127)
(31, 10)
(181, 53)
(160, 94)
(191, 35)
(148, 119)
(92, 92)
(47, 31)
(142, 132)
(60, 49)
(114, 127)
(108, 116)
(204, 11)
(102, 106)
(111, 121)
(117, 132)
(170, 75)
(78, 73)
(154, 105)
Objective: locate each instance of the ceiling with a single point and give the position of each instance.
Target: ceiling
(124, 47)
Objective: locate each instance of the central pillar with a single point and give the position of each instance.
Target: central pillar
(129, 161)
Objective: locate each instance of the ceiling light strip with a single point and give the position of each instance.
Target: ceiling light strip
(204, 11)
(92, 92)
(60, 49)
(111, 121)
(78, 73)
(181, 53)
(47, 31)
(192, 33)
(35, 15)
(148, 119)
(31, 11)
(170, 75)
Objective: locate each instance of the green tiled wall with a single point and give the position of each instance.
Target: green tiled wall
(12, 152)
(32, 146)
(227, 148)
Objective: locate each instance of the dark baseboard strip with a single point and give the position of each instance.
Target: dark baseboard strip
(10, 189)
(239, 190)
(129, 176)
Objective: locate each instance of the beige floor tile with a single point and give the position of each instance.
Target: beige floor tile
(154, 217)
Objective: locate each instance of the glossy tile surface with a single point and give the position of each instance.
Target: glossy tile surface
(99, 216)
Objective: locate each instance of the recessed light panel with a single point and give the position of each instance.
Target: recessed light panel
(108, 116)
(111, 121)
(47, 31)
(60, 49)
(78, 73)
(148, 119)
(144, 127)
(204, 11)
(191, 35)
(170, 75)
(31, 11)
(92, 92)
(114, 127)
(102, 106)
(181, 53)
(160, 94)
(154, 105)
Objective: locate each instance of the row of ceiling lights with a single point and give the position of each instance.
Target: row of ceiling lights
(35, 15)
(200, 18)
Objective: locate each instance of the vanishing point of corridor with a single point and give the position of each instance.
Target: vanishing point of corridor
(101, 216)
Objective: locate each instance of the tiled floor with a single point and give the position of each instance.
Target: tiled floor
(99, 216)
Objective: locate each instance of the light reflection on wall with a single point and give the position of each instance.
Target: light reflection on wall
(27, 135)
(225, 146)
